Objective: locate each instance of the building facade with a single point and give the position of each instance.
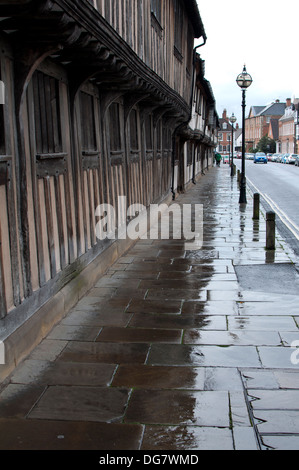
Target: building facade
(225, 143)
(98, 99)
(287, 140)
(258, 122)
(203, 127)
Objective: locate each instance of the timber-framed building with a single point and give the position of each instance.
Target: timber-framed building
(98, 99)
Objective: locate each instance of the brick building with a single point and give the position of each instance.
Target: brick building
(225, 135)
(257, 125)
(286, 142)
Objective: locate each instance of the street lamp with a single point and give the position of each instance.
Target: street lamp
(244, 81)
(232, 120)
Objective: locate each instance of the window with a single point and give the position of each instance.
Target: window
(178, 30)
(157, 10)
(88, 130)
(224, 126)
(47, 114)
(159, 135)
(189, 153)
(198, 101)
(133, 130)
(114, 127)
(220, 136)
(148, 126)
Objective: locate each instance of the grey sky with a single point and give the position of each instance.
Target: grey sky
(263, 34)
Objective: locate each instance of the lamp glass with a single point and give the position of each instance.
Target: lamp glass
(244, 79)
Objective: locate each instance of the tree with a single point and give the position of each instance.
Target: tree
(266, 145)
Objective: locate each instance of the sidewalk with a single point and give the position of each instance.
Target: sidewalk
(171, 350)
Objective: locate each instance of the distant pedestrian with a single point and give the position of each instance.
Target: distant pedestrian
(218, 159)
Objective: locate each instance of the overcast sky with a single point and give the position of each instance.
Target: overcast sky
(263, 34)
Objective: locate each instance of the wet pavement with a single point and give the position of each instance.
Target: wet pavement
(171, 349)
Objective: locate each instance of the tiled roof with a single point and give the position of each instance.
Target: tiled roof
(273, 109)
(255, 110)
(229, 127)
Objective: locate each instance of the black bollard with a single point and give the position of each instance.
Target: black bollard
(256, 206)
(270, 230)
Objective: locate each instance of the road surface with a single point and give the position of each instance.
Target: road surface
(278, 185)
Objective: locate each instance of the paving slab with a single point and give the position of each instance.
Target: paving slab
(139, 335)
(206, 356)
(109, 353)
(282, 442)
(276, 278)
(277, 357)
(63, 373)
(178, 321)
(262, 323)
(102, 404)
(61, 435)
(179, 407)
(274, 399)
(232, 338)
(159, 377)
(186, 438)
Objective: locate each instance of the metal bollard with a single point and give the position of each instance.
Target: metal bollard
(256, 206)
(270, 230)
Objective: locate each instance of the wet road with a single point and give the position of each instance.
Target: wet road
(278, 184)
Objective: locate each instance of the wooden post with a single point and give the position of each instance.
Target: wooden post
(270, 230)
(256, 206)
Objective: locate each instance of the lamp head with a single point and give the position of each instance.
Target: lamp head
(233, 119)
(244, 80)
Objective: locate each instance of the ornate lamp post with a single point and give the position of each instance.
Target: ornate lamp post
(232, 120)
(244, 81)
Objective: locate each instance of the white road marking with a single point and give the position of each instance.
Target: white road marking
(281, 214)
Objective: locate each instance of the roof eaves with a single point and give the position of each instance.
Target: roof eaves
(194, 15)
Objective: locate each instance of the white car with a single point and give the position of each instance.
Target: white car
(291, 159)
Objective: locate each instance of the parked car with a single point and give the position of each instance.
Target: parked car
(260, 157)
(274, 157)
(297, 161)
(284, 158)
(292, 159)
(269, 157)
(279, 157)
(249, 156)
